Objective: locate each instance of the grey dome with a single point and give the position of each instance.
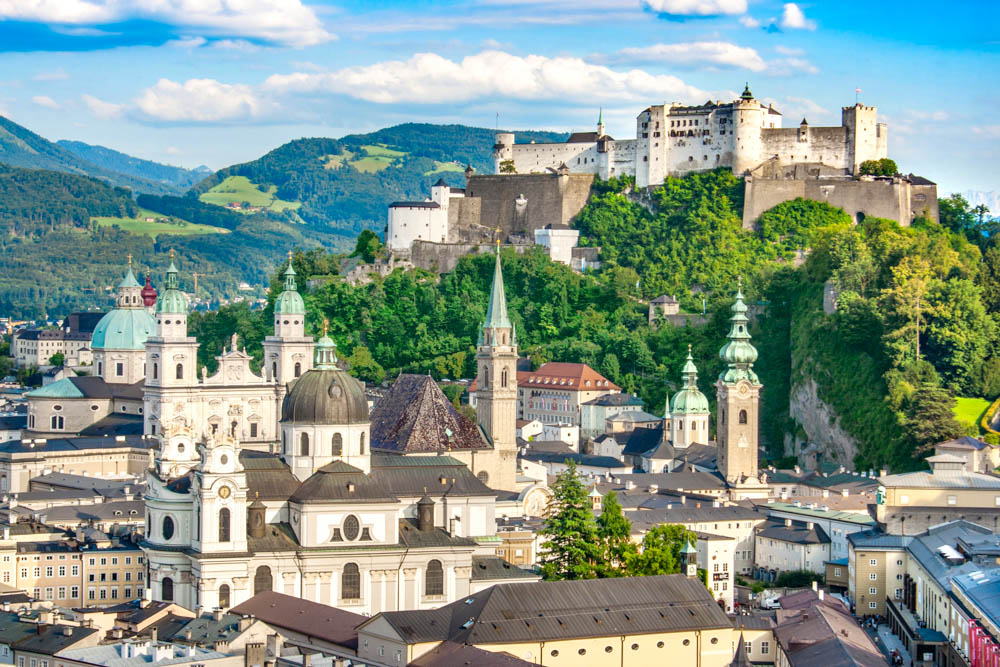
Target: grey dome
(325, 396)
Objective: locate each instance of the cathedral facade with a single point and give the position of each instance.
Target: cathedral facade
(367, 512)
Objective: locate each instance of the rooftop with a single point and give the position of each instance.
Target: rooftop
(567, 377)
(309, 618)
(799, 532)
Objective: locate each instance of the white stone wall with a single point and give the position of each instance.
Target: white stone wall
(560, 243)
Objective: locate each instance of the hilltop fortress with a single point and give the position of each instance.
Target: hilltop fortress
(673, 140)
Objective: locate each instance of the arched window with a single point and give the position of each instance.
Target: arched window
(338, 445)
(168, 528)
(350, 582)
(224, 525)
(57, 422)
(680, 425)
(180, 371)
(486, 378)
(274, 370)
(284, 443)
(156, 371)
(304, 444)
(743, 416)
(434, 579)
(503, 378)
(722, 415)
(694, 425)
(362, 450)
(483, 477)
(167, 589)
(224, 596)
(262, 580)
(298, 369)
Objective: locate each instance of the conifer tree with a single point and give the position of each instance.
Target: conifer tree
(615, 533)
(572, 549)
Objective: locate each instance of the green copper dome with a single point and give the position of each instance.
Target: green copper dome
(172, 300)
(123, 329)
(290, 301)
(129, 279)
(689, 400)
(739, 354)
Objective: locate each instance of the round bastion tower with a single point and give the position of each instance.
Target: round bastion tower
(503, 149)
(747, 123)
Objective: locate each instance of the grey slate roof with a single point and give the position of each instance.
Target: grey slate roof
(411, 537)
(206, 630)
(81, 482)
(450, 654)
(551, 610)
(678, 481)
(491, 568)
(115, 424)
(55, 639)
(309, 618)
(119, 510)
(640, 440)
(79, 443)
(615, 400)
(268, 477)
(416, 417)
(690, 513)
(965, 442)
(798, 533)
(580, 459)
(340, 482)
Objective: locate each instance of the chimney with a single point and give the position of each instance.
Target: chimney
(245, 622)
(217, 614)
(306, 659)
(815, 586)
(255, 655)
(715, 503)
(654, 488)
(67, 631)
(273, 645)
(788, 523)
(882, 472)
(826, 493)
(845, 493)
(821, 593)
(809, 526)
(683, 499)
(798, 470)
(153, 635)
(629, 484)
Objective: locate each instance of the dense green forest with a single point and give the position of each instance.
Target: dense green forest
(345, 185)
(863, 357)
(174, 179)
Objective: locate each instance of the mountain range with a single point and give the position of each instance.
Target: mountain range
(230, 226)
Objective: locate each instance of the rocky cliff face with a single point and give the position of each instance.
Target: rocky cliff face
(824, 436)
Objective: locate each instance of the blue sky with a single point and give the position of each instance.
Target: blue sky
(216, 82)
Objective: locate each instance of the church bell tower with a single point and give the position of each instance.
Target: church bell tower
(738, 394)
(289, 352)
(496, 385)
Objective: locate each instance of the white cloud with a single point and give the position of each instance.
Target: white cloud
(201, 101)
(287, 22)
(749, 22)
(789, 66)
(796, 108)
(101, 109)
(786, 51)
(696, 7)
(989, 131)
(173, 150)
(187, 42)
(793, 18)
(54, 75)
(45, 101)
(938, 116)
(429, 78)
(695, 53)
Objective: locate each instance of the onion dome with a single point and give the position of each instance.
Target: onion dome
(689, 400)
(738, 353)
(290, 301)
(127, 326)
(747, 95)
(326, 394)
(172, 300)
(148, 294)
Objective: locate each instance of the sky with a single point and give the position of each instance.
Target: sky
(216, 82)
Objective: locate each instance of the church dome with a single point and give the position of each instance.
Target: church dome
(289, 301)
(148, 294)
(123, 329)
(326, 394)
(689, 401)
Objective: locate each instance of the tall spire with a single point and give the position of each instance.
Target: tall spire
(290, 274)
(739, 354)
(496, 312)
(290, 301)
(172, 301)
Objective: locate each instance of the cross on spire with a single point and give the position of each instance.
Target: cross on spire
(326, 326)
(171, 254)
(130, 260)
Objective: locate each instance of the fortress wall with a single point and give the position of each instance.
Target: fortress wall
(824, 144)
(924, 201)
(551, 199)
(443, 257)
(537, 158)
(463, 214)
(880, 198)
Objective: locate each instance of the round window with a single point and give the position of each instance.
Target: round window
(352, 527)
(715, 640)
(57, 408)
(180, 448)
(582, 651)
(608, 649)
(687, 642)
(95, 408)
(224, 459)
(635, 647)
(168, 528)
(555, 653)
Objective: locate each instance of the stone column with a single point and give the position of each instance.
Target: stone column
(324, 591)
(288, 583)
(391, 590)
(241, 590)
(409, 588)
(310, 588)
(375, 603)
(463, 578)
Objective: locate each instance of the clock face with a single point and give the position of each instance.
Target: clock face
(224, 492)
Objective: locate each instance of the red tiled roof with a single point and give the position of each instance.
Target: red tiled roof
(336, 626)
(566, 376)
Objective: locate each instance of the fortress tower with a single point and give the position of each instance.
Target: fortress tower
(503, 149)
(867, 139)
(748, 119)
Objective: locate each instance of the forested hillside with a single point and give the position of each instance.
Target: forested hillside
(175, 179)
(863, 358)
(54, 259)
(20, 147)
(344, 185)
